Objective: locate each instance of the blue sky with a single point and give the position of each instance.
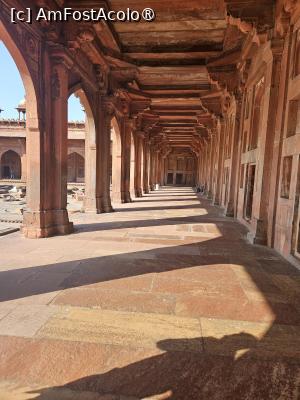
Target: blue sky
(12, 89)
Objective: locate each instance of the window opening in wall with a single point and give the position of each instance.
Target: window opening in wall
(226, 180)
(75, 168)
(179, 179)
(297, 53)
(286, 177)
(257, 108)
(295, 244)
(293, 118)
(170, 178)
(244, 148)
(249, 190)
(242, 176)
(247, 106)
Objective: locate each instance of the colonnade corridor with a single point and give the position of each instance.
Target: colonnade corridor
(162, 299)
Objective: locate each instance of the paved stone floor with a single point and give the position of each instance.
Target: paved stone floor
(163, 299)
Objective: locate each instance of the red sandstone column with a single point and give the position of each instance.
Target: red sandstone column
(104, 131)
(152, 168)
(139, 138)
(264, 217)
(221, 135)
(23, 163)
(92, 198)
(126, 160)
(46, 213)
(132, 163)
(211, 166)
(156, 167)
(231, 208)
(161, 170)
(117, 158)
(146, 166)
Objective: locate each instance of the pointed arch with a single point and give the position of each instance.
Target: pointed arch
(10, 163)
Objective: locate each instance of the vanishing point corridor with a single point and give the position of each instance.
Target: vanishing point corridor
(163, 299)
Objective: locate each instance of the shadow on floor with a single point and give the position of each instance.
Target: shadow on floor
(236, 366)
(162, 208)
(190, 369)
(142, 199)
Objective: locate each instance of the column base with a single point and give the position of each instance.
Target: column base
(42, 224)
(91, 210)
(229, 210)
(139, 193)
(209, 196)
(132, 195)
(126, 198)
(146, 190)
(92, 205)
(117, 197)
(259, 236)
(229, 213)
(106, 206)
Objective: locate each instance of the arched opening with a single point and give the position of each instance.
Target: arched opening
(132, 165)
(10, 165)
(12, 88)
(76, 137)
(24, 83)
(82, 141)
(76, 110)
(116, 161)
(75, 168)
(30, 93)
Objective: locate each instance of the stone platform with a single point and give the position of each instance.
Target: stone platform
(163, 299)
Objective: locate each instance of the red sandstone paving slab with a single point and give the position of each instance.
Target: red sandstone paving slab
(255, 294)
(290, 287)
(122, 328)
(44, 284)
(164, 284)
(198, 228)
(175, 286)
(112, 273)
(5, 309)
(202, 273)
(56, 362)
(13, 391)
(153, 236)
(257, 339)
(227, 307)
(189, 249)
(27, 300)
(279, 267)
(235, 307)
(255, 279)
(121, 300)
(26, 320)
(139, 283)
(144, 373)
(165, 242)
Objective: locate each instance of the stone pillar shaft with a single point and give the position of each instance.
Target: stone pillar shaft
(46, 213)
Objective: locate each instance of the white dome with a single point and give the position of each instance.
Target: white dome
(22, 103)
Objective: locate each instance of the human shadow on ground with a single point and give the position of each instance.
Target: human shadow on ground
(233, 367)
